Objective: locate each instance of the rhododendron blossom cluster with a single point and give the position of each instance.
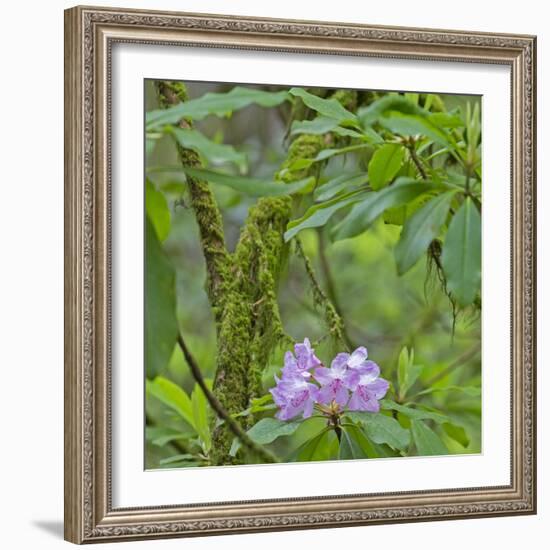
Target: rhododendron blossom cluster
(351, 383)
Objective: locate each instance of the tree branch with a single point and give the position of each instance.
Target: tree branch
(207, 213)
(459, 361)
(233, 425)
(329, 282)
(335, 323)
(417, 162)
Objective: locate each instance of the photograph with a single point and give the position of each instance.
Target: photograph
(300, 273)
(312, 267)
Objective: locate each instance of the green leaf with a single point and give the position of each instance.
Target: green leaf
(258, 404)
(172, 396)
(150, 144)
(458, 433)
(407, 372)
(434, 102)
(164, 436)
(322, 125)
(255, 409)
(177, 458)
(173, 188)
(268, 430)
(413, 97)
(473, 131)
(200, 408)
(319, 125)
(329, 108)
(235, 446)
(380, 428)
(300, 164)
(461, 257)
(470, 391)
(161, 326)
(370, 136)
(263, 400)
(219, 104)
(319, 214)
(316, 448)
(251, 186)
(349, 446)
(212, 152)
(446, 120)
(413, 372)
(344, 182)
(427, 442)
(369, 115)
(384, 164)
(402, 364)
(329, 153)
(365, 213)
(370, 449)
(157, 210)
(161, 436)
(399, 214)
(420, 230)
(411, 125)
(414, 414)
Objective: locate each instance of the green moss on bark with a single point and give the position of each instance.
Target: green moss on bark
(242, 287)
(304, 147)
(258, 261)
(348, 98)
(203, 202)
(250, 326)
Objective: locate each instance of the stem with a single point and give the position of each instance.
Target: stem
(459, 361)
(416, 161)
(467, 182)
(331, 287)
(336, 425)
(335, 322)
(338, 432)
(233, 425)
(467, 190)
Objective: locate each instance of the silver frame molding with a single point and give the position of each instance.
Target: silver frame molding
(89, 36)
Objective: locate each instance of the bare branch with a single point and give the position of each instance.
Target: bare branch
(233, 425)
(334, 321)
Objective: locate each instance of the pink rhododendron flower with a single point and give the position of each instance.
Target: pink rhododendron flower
(351, 383)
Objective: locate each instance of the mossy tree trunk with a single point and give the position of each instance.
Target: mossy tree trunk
(242, 286)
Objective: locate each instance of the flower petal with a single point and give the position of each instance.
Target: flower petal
(341, 396)
(371, 405)
(323, 375)
(351, 379)
(325, 395)
(358, 357)
(378, 388)
(313, 391)
(340, 361)
(355, 402)
(369, 372)
(290, 360)
(308, 409)
(305, 355)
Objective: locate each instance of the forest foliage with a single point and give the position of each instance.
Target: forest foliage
(350, 218)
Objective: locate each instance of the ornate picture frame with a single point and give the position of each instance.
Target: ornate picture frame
(90, 34)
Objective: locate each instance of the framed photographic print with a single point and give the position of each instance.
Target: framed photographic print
(300, 274)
